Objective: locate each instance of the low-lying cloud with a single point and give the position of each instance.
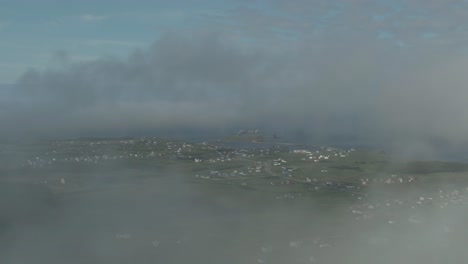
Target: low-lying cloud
(358, 91)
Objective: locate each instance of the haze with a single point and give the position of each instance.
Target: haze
(349, 71)
(93, 95)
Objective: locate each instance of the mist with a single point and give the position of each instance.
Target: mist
(360, 91)
(125, 215)
(111, 156)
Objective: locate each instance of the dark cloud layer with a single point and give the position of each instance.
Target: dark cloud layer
(348, 90)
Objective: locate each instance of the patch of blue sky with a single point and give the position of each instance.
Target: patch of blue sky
(397, 23)
(383, 35)
(429, 35)
(393, 5)
(320, 27)
(379, 17)
(323, 22)
(267, 9)
(286, 33)
(460, 28)
(330, 14)
(400, 44)
(256, 4)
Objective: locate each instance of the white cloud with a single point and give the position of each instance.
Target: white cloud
(345, 79)
(107, 42)
(92, 18)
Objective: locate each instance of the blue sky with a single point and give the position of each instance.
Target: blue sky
(32, 31)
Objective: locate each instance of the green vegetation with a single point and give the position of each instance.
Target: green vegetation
(167, 198)
(265, 167)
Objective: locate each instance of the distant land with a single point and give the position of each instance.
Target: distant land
(171, 199)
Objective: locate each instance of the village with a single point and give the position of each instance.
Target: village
(289, 172)
(351, 189)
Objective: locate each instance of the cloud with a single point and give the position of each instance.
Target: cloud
(209, 82)
(110, 42)
(92, 18)
(342, 85)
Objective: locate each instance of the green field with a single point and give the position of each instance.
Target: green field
(147, 200)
